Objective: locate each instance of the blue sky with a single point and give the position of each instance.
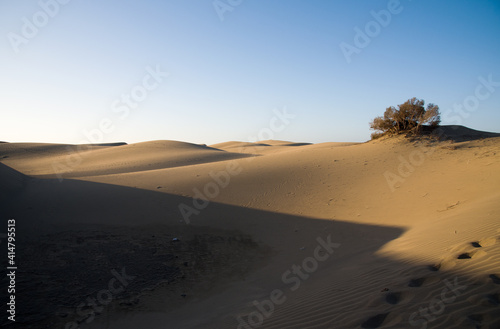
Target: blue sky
(227, 77)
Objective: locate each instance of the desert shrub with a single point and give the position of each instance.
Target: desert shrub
(409, 117)
(377, 135)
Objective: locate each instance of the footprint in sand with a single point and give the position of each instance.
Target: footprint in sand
(495, 278)
(476, 244)
(476, 319)
(434, 268)
(415, 283)
(375, 321)
(466, 255)
(493, 299)
(477, 252)
(393, 298)
(488, 242)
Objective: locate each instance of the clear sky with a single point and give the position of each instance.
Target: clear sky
(67, 67)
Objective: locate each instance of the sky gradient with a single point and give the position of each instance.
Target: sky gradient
(225, 68)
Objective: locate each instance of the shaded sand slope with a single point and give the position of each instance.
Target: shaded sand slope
(111, 228)
(12, 183)
(30, 151)
(410, 218)
(12, 180)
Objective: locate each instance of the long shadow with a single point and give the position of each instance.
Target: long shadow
(73, 238)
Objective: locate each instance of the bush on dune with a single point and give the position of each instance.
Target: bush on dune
(409, 118)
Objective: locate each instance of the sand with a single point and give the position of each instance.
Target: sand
(392, 233)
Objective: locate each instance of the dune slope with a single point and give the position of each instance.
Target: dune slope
(393, 233)
(89, 160)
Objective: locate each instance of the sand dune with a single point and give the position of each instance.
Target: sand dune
(269, 147)
(461, 133)
(260, 148)
(91, 160)
(414, 227)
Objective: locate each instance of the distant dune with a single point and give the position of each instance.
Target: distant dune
(461, 133)
(391, 233)
(101, 159)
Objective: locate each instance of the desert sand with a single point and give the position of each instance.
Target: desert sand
(391, 233)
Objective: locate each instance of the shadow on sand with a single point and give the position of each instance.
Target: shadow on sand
(75, 237)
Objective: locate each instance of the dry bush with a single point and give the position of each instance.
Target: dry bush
(409, 117)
